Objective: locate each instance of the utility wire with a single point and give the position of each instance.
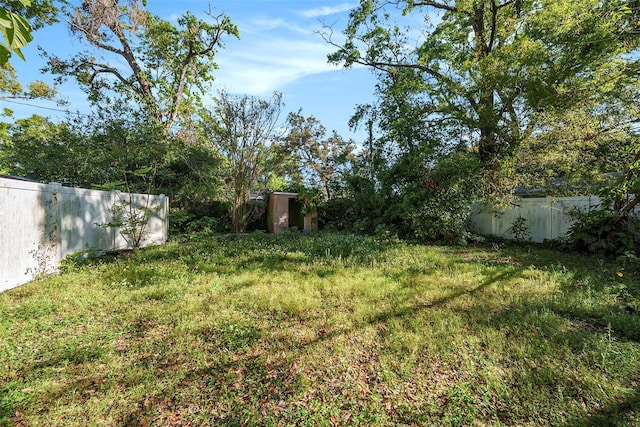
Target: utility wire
(12, 101)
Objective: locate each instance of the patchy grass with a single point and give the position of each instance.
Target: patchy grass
(323, 330)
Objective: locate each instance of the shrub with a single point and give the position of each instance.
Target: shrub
(599, 231)
(337, 215)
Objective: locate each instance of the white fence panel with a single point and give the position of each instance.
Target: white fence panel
(40, 224)
(547, 218)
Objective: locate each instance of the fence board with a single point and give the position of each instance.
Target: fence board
(547, 218)
(40, 224)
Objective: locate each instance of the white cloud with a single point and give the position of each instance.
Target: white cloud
(328, 10)
(276, 48)
(269, 65)
(263, 24)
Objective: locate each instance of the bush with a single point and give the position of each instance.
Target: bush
(209, 225)
(599, 231)
(337, 215)
(179, 220)
(208, 217)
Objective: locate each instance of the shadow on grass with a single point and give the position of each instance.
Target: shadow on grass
(547, 323)
(249, 379)
(413, 309)
(247, 387)
(619, 413)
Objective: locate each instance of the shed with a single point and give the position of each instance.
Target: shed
(286, 210)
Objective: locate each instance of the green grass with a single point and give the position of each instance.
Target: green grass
(324, 330)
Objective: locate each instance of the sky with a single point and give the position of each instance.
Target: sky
(279, 50)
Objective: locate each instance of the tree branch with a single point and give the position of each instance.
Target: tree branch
(627, 209)
(494, 19)
(103, 69)
(437, 5)
(94, 40)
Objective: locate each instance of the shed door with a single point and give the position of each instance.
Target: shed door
(296, 218)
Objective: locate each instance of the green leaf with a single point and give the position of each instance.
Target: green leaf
(19, 53)
(16, 32)
(19, 34)
(4, 54)
(5, 19)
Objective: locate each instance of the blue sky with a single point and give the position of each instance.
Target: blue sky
(278, 50)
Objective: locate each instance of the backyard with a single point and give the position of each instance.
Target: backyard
(324, 329)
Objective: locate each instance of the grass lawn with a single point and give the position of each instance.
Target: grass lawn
(324, 329)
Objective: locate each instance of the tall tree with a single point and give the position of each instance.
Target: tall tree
(491, 66)
(243, 130)
(317, 158)
(166, 69)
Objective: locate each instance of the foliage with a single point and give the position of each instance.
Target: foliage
(242, 130)
(76, 260)
(35, 148)
(598, 231)
(16, 32)
(108, 152)
(520, 230)
(417, 199)
(623, 195)
(614, 227)
(18, 18)
(131, 219)
(10, 87)
(208, 225)
(166, 68)
(337, 215)
(315, 159)
(487, 72)
(580, 148)
(323, 328)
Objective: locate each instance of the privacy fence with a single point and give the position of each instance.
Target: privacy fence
(547, 218)
(40, 224)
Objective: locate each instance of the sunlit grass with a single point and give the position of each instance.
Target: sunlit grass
(323, 329)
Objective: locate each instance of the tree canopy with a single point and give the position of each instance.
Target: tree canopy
(167, 67)
(317, 159)
(243, 131)
(491, 69)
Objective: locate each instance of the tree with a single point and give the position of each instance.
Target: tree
(166, 69)
(414, 165)
(39, 149)
(317, 158)
(243, 131)
(488, 68)
(580, 150)
(109, 152)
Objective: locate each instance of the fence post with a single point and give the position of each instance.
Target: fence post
(115, 199)
(54, 236)
(164, 201)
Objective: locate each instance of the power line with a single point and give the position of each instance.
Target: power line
(12, 101)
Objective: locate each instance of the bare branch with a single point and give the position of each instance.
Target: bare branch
(98, 69)
(437, 5)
